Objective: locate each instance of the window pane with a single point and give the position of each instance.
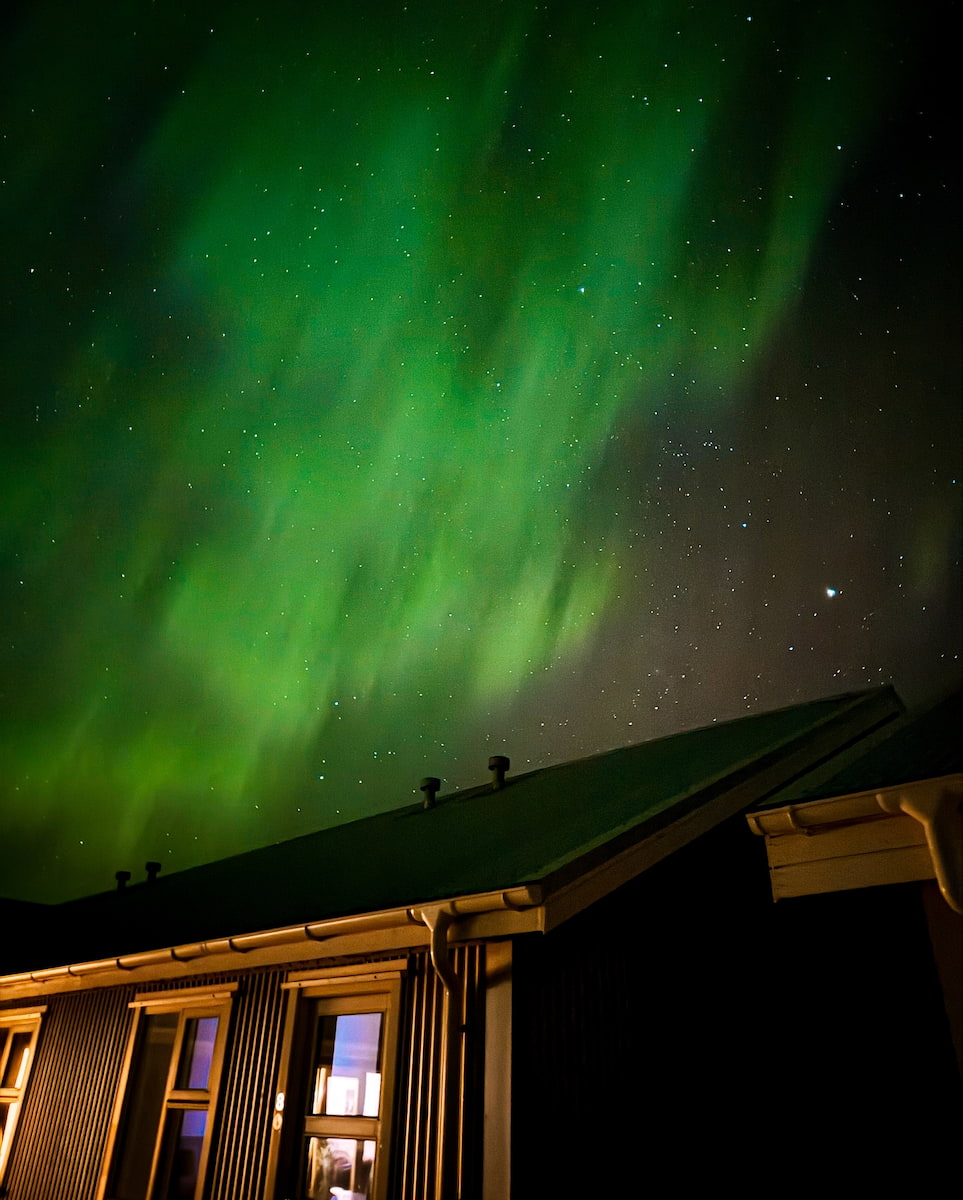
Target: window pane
(8, 1116)
(180, 1159)
(195, 1065)
(16, 1067)
(142, 1108)
(347, 1066)
(338, 1168)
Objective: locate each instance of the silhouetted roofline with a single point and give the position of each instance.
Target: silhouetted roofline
(571, 832)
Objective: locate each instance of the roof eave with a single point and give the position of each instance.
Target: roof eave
(593, 877)
(900, 834)
(540, 904)
(490, 914)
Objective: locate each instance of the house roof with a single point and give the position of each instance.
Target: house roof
(545, 827)
(926, 744)
(888, 811)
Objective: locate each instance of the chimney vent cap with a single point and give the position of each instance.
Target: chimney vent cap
(430, 786)
(498, 764)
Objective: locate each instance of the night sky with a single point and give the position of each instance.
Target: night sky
(390, 385)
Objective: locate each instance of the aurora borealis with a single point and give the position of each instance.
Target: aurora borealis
(391, 386)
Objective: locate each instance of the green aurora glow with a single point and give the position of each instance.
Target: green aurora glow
(331, 325)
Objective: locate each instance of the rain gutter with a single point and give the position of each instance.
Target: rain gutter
(294, 937)
(849, 828)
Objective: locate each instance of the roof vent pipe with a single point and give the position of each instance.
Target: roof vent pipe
(430, 785)
(152, 868)
(498, 764)
(121, 877)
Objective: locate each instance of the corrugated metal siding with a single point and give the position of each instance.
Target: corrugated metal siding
(60, 1136)
(415, 1147)
(246, 1106)
(473, 1072)
(414, 1166)
(62, 1132)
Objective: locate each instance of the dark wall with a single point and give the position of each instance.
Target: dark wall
(688, 1029)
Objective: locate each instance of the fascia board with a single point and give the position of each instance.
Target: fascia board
(912, 831)
(497, 913)
(596, 879)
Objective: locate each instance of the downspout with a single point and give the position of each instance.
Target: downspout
(438, 919)
(939, 810)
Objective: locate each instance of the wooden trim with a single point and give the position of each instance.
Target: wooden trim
(182, 996)
(118, 1106)
(13, 1016)
(16, 1021)
(863, 839)
(497, 1129)
(363, 1128)
(190, 1003)
(336, 992)
(357, 973)
(904, 864)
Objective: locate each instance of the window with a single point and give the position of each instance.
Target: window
(18, 1038)
(165, 1108)
(332, 1112)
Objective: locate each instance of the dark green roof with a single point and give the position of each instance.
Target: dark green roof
(541, 827)
(921, 745)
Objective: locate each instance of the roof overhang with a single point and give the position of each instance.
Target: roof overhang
(912, 831)
(562, 891)
(488, 915)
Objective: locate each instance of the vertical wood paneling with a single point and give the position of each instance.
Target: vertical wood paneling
(61, 1133)
(246, 1106)
(415, 1149)
(416, 1119)
(471, 965)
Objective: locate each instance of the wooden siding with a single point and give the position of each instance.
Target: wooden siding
(246, 1106)
(59, 1147)
(60, 1140)
(415, 1154)
(60, 1137)
(415, 1140)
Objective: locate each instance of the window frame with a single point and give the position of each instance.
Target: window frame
(188, 1004)
(13, 1021)
(334, 992)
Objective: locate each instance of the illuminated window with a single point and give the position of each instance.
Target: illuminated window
(18, 1040)
(165, 1107)
(333, 1108)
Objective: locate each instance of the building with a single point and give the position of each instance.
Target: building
(564, 983)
